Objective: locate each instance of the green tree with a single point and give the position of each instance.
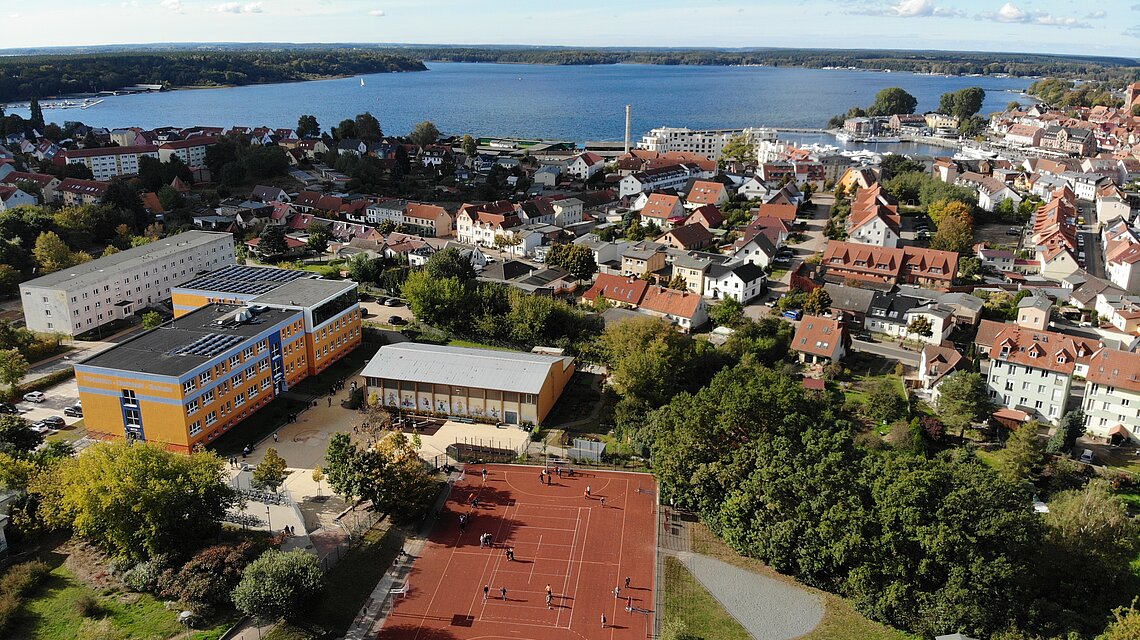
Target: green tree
(136, 500)
(921, 326)
(368, 127)
(346, 130)
(16, 434)
(892, 101)
(726, 312)
(37, 115)
(270, 472)
(1023, 454)
(424, 134)
(450, 263)
(9, 279)
(362, 268)
(469, 146)
(943, 210)
(279, 585)
(1126, 622)
(151, 319)
(170, 198)
(210, 576)
(1071, 427)
(962, 400)
(308, 127)
(818, 302)
(963, 103)
(739, 149)
(897, 164)
(577, 259)
(272, 241)
(52, 253)
(13, 367)
(884, 402)
(442, 302)
(341, 467)
(318, 241)
(969, 267)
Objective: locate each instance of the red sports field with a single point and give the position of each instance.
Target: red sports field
(561, 538)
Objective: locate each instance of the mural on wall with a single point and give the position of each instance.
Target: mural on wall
(391, 399)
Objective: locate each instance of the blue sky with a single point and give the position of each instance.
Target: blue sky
(1109, 27)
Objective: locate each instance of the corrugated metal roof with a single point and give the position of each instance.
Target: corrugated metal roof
(463, 367)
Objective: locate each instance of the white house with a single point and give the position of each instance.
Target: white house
(547, 175)
(742, 281)
(12, 197)
(673, 176)
(567, 211)
(584, 165)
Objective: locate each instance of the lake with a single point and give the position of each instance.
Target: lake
(575, 103)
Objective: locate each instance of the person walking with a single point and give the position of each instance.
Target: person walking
(511, 552)
(275, 436)
(503, 590)
(588, 491)
(603, 621)
(549, 600)
(627, 582)
(548, 591)
(330, 402)
(617, 593)
(541, 478)
(484, 475)
(603, 501)
(629, 604)
(486, 591)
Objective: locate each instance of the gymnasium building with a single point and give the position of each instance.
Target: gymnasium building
(505, 386)
(254, 333)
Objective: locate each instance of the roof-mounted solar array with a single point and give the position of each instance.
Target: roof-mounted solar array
(209, 345)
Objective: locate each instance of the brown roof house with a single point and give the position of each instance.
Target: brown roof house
(820, 339)
(687, 238)
(935, 363)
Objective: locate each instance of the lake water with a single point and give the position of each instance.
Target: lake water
(576, 103)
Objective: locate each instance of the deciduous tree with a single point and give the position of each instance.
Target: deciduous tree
(272, 241)
(16, 434)
(151, 319)
(818, 302)
(308, 127)
(450, 263)
(270, 472)
(577, 259)
(279, 585)
(891, 101)
(726, 312)
(425, 133)
(13, 367)
(962, 400)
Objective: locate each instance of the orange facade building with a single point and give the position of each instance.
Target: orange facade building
(198, 376)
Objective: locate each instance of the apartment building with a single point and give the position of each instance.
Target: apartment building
(707, 142)
(109, 162)
(191, 151)
(1032, 371)
(1112, 395)
(87, 296)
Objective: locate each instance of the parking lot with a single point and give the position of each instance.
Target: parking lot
(56, 399)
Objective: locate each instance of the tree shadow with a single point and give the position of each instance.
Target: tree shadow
(407, 631)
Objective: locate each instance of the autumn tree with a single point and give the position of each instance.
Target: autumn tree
(52, 253)
(954, 234)
(920, 326)
(136, 500)
(940, 210)
(270, 472)
(469, 146)
(818, 302)
(425, 133)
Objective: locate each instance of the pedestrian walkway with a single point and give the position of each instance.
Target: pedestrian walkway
(375, 610)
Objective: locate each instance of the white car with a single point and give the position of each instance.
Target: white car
(1087, 456)
(34, 396)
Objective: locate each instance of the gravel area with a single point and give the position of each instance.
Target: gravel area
(767, 608)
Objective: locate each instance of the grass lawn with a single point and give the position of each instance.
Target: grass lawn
(578, 400)
(70, 434)
(686, 600)
(840, 619)
(51, 613)
(476, 345)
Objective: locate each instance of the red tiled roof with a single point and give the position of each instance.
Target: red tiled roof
(620, 289)
(111, 151)
(819, 336)
(679, 304)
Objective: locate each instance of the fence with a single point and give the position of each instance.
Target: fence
(355, 524)
(481, 450)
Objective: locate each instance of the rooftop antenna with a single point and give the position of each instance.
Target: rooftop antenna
(628, 122)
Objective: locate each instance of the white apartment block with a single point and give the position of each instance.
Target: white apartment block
(109, 162)
(192, 151)
(1032, 371)
(84, 297)
(707, 142)
(1112, 395)
(674, 176)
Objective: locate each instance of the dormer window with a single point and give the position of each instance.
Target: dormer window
(1061, 359)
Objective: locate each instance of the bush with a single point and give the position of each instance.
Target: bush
(9, 611)
(88, 606)
(23, 578)
(144, 576)
(209, 577)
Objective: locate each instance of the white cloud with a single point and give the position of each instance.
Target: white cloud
(236, 7)
(379, 13)
(1011, 13)
(911, 9)
(1097, 15)
(173, 5)
(132, 4)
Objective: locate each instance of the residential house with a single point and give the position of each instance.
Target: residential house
(708, 216)
(785, 211)
(262, 193)
(480, 224)
(1112, 204)
(852, 302)
(191, 151)
(547, 176)
(856, 178)
(109, 162)
(705, 192)
(673, 176)
(1024, 135)
(642, 257)
(935, 363)
(427, 219)
(996, 259)
(821, 340)
(908, 265)
(12, 197)
(1032, 371)
(1033, 312)
(756, 248)
(75, 192)
(742, 281)
(1122, 256)
(663, 210)
(991, 191)
(874, 218)
(689, 237)
(754, 188)
(620, 290)
(46, 184)
(584, 165)
(1069, 140)
(685, 309)
(567, 212)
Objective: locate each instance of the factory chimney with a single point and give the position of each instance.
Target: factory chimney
(628, 122)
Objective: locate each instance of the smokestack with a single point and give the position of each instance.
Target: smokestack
(628, 122)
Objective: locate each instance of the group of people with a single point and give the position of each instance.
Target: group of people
(485, 540)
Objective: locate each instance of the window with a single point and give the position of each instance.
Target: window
(208, 397)
(263, 365)
(239, 399)
(252, 392)
(250, 373)
(266, 383)
(196, 428)
(189, 385)
(235, 360)
(129, 397)
(211, 418)
(236, 380)
(192, 407)
(205, 377)
(247, 353)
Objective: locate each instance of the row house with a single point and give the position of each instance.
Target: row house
(1069, 140)
(1024, 135)
(45, 183)
(684, 309)
(1122, 256)
(75, 192)
(674, 176)
(480, 224)
(1112, 204)
(110, 162)
(906, 265)
(1032, 371)
(1054, 235)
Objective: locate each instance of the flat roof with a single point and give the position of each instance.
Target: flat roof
(463, 366)
(184, 344)
(79, 276)
(241, 279)
(304, 292)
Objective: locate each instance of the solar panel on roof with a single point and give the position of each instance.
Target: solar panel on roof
(208, 345)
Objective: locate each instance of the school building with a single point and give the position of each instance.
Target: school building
(508, 386)
(196, 377)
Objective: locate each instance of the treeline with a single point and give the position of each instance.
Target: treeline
(1063, 94)
(26, 77)
(1117, 70)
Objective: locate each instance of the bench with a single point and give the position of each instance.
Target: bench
(401, 590)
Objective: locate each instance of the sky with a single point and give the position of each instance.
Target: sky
(1108, 27)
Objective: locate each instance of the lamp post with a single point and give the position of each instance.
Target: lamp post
(268, 521)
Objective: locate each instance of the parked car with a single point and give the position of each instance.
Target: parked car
(782, 260)
(396, 321)
(55, 422)
(393, 302)
(34, 396)
(75, 411)
(8, 407)
(1087, 456)
(793, 314)
(381, 300)
(1013, 231)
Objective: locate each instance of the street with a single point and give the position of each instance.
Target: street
(887, 350)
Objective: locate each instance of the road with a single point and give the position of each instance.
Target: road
(80, 350)
(887, 350)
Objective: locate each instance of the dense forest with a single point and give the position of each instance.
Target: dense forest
(25, 77)
(1118, 70)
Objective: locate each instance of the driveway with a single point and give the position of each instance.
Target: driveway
(58, 397)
